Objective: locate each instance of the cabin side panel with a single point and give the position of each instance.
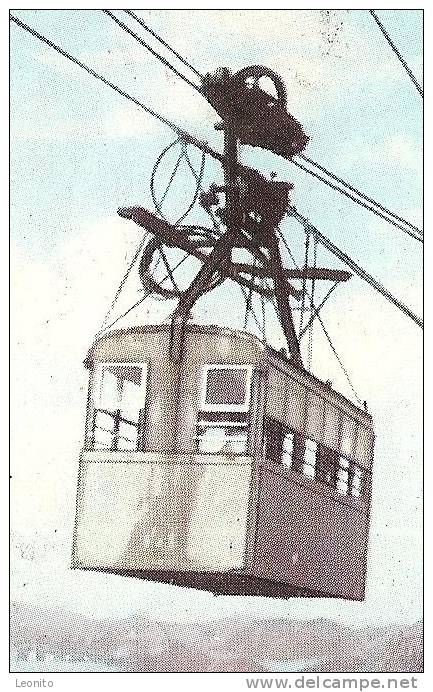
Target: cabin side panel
(162, 513)
(309, 538)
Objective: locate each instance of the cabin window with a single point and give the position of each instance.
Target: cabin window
(356, 489)
(327, 463)
(226, 388)
(273, 440)
(280, 444)
(223, 421)
(351, 478)
(119, 397)
(310, 455)
(288, 449)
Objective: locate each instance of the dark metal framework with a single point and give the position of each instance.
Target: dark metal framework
(252, 209)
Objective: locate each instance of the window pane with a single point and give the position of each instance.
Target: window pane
(110, 391)
(104, 420)
(298, 453)
(288, 444)
(273, 442)
(123, 443)
(121, 395)
(121, 390)
(212, 440)
(356, 489)
(102, 439)
(343, 482)
(310, 458)
(226, 386)
(343, 477)
(327, 462)
(128, 432)
(220, 439)
(129, 373)
(132, 401)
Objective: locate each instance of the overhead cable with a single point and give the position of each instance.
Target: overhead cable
(359, 193)
(203, 146)
(144, 43)
(414, 235)
(216, 155)
(326, 242)
(316, 314)
(417, 233)
(164, 43)
(397, 52)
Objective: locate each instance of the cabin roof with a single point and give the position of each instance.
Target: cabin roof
(218, 330)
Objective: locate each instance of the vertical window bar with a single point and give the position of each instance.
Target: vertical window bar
(115, 442)
(93, 434)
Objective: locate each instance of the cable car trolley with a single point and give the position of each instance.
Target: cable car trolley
(212, 460)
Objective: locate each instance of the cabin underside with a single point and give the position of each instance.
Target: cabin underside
(220, 583)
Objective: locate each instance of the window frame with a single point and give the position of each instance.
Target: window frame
(306, 464)
(245, 407)
(351, 469)
(297, 439)
(97, 391)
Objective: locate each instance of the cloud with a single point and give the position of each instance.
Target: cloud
(125, 121)
(402, 151)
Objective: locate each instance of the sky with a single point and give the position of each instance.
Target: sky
(79, 151)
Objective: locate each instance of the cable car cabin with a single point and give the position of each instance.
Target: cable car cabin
(233, 471)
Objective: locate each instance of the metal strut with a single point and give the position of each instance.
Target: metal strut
(282, 297)
(221, 253)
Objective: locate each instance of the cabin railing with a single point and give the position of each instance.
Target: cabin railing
(118, 440)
